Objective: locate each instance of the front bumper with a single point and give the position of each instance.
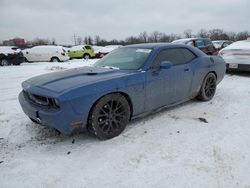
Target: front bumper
(61, 119)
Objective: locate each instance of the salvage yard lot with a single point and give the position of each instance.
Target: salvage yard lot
(196, 144)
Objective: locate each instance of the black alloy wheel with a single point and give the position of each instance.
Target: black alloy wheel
(109, 116)
(208, 87)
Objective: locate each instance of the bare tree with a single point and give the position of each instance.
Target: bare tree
(97, 40)
(79, 40)
(143, 37)
(188, 33)
(53, 41)
(154, 37)
(242, 35)
(203, 34)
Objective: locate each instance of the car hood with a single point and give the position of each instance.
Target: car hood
(72, 78)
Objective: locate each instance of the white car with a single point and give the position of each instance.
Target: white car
(219, 44)
(237, 55)
(46, 53)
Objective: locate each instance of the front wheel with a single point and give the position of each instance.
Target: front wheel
(109, 116)
(54, 59)
(208, 88)
(4, 62)
(86, 56)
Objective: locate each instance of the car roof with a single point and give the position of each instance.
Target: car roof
(159, 46)
(222, 41)
(155, 45)
(243, 44)
(189, 39)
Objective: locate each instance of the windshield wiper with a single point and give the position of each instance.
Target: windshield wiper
(110, 67)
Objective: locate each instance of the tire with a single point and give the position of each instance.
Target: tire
(109, 116)
(86, 56)
(208, 87)
(4, 62)
(55, 59)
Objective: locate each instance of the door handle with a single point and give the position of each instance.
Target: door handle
(186, 69)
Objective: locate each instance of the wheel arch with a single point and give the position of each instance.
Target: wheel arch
(213, 73)
(86, 53)
(55, 57)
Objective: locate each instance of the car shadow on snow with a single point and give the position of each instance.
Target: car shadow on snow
(45, 135)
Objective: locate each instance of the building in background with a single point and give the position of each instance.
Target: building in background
(19, 42)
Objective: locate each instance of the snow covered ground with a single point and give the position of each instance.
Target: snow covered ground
(196, 144)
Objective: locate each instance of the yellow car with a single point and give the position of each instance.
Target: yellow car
(81, 51)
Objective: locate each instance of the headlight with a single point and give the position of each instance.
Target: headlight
(56, 102)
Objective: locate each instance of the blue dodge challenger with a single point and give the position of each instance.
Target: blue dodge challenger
(129, 82)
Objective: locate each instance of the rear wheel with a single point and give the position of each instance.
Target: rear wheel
(208, 88)
(55, 59)
(4, 62)
(109, 116)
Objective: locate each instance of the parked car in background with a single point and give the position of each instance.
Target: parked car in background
(129, 82)
(101, 51)
(10, 55)
(46, 53)
(237, 55)
(81, 51)
(203, 44)
(219, 44)
(113, 47)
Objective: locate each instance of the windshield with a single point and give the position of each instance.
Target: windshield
(125, 58)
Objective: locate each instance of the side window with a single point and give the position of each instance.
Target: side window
(199, 44)
(88, 47)
(175, 55)
(207, 42)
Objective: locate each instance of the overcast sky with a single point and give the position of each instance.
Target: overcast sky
(61, 19)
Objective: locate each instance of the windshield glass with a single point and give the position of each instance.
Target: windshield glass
(125, 58)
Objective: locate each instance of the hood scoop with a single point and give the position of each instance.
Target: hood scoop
(92, 73)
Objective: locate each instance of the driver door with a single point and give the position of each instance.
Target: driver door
(172, 85)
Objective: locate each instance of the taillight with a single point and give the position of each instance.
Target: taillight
(13, 53)
(220, 53)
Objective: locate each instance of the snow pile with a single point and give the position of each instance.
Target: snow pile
(196, 144)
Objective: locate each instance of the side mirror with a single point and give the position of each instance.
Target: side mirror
(166, 65)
